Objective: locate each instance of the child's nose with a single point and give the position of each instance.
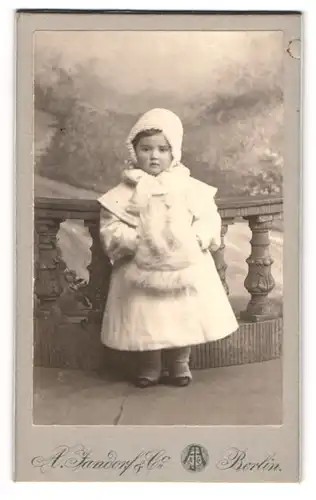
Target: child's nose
(155, 153)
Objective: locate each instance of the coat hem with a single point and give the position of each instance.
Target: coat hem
(166, 346)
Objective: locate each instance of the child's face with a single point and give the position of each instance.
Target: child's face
(153, 154)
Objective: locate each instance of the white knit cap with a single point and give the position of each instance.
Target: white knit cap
(160, 119)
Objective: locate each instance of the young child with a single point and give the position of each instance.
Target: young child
(158, 227)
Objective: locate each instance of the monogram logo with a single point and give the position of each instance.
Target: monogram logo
(194, 457)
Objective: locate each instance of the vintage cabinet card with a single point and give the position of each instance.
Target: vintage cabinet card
(158, 177)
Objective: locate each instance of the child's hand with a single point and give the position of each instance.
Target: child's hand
(214, 246)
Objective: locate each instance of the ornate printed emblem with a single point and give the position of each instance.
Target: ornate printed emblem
(194, 457)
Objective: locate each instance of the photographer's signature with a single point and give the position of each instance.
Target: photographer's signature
(80, 458)
(238, 460)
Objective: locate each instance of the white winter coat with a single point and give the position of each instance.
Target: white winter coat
(137, 318)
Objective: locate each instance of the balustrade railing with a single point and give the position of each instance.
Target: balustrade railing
(58, 294)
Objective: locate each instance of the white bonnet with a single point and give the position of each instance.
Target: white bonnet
(160, 119)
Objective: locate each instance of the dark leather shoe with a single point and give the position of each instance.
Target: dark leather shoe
(180, 381)
(143, 382)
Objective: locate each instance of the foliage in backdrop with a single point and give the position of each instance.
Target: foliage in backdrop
(233, 133)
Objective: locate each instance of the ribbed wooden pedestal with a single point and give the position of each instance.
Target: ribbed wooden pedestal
(78, 346)
(253, 342)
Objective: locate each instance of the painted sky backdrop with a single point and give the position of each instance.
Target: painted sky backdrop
(185, 63)
(226, 88)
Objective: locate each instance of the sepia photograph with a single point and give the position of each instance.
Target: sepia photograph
(158, 227)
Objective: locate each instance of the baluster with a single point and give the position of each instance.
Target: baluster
(48, 287)
(219, 255)
(99, 271)
(259, 281)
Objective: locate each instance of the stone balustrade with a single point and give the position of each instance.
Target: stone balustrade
(68, 311)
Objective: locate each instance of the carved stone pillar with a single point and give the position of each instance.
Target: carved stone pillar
(219, 255)
(48, 287)
(259, 281)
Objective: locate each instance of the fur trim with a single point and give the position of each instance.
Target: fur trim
(162, 281)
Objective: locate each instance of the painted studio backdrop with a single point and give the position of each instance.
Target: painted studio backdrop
(89, 90)
(90, 87)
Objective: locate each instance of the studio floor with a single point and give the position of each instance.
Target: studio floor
(248, 394)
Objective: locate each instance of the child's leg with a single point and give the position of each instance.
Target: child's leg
(149, 365)
(177, 361)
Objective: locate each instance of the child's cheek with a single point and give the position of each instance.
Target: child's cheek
(142, 158)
